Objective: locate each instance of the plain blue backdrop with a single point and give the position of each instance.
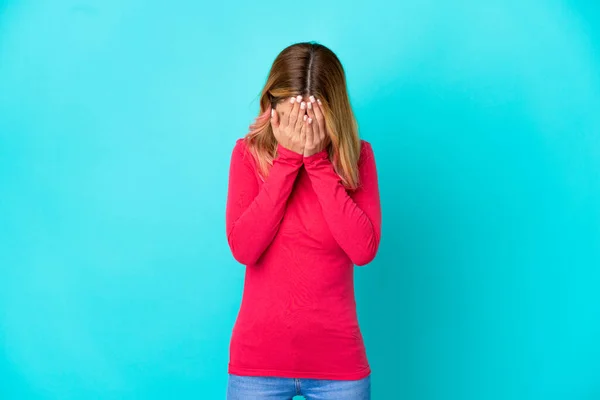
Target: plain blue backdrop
(117, 121)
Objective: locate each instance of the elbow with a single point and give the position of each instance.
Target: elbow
(367, 255)
(243, 253)
(363, 259)
(243, 256)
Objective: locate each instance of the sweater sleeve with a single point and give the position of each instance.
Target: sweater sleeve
(253, 211)
(354, 219)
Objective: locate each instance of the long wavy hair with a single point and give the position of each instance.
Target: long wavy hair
(309, 68)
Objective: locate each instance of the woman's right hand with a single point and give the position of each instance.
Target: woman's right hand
(289, 130)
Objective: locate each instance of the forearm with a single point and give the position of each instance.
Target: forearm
(355, 227)
(251, 231)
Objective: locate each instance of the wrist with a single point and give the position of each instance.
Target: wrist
(319, 155)
(287, 153)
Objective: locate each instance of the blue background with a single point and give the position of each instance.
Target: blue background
(117, 120)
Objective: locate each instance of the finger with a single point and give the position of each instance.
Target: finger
(310, 134)
(311, 114)
(319, 115)
(294, 112)
(303, 138)
(285, 121)
(301, 116)
(274, 119)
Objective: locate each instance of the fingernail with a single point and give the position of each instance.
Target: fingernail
(312, 99)
(309, 105)
(292, 100)
(272, 112)
(309, 120)
(302, 105)
(319, 101)
(298, 98)
(305, 116)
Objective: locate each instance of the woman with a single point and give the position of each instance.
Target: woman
(302, 209)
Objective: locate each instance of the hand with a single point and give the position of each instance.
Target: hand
(316, 133)
(290, 131)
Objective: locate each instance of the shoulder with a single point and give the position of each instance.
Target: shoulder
(241, 148)
(367, 169)
(366, 151)
(365, 146)
(240, 145)
(241, 152)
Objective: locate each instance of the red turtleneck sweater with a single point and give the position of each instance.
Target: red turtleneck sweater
(300, 233)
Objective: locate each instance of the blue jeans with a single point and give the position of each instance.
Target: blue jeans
(272, 388)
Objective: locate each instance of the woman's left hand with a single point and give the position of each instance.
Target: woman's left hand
(315, 129)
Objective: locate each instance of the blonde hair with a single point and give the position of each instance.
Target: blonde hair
(304, 69)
